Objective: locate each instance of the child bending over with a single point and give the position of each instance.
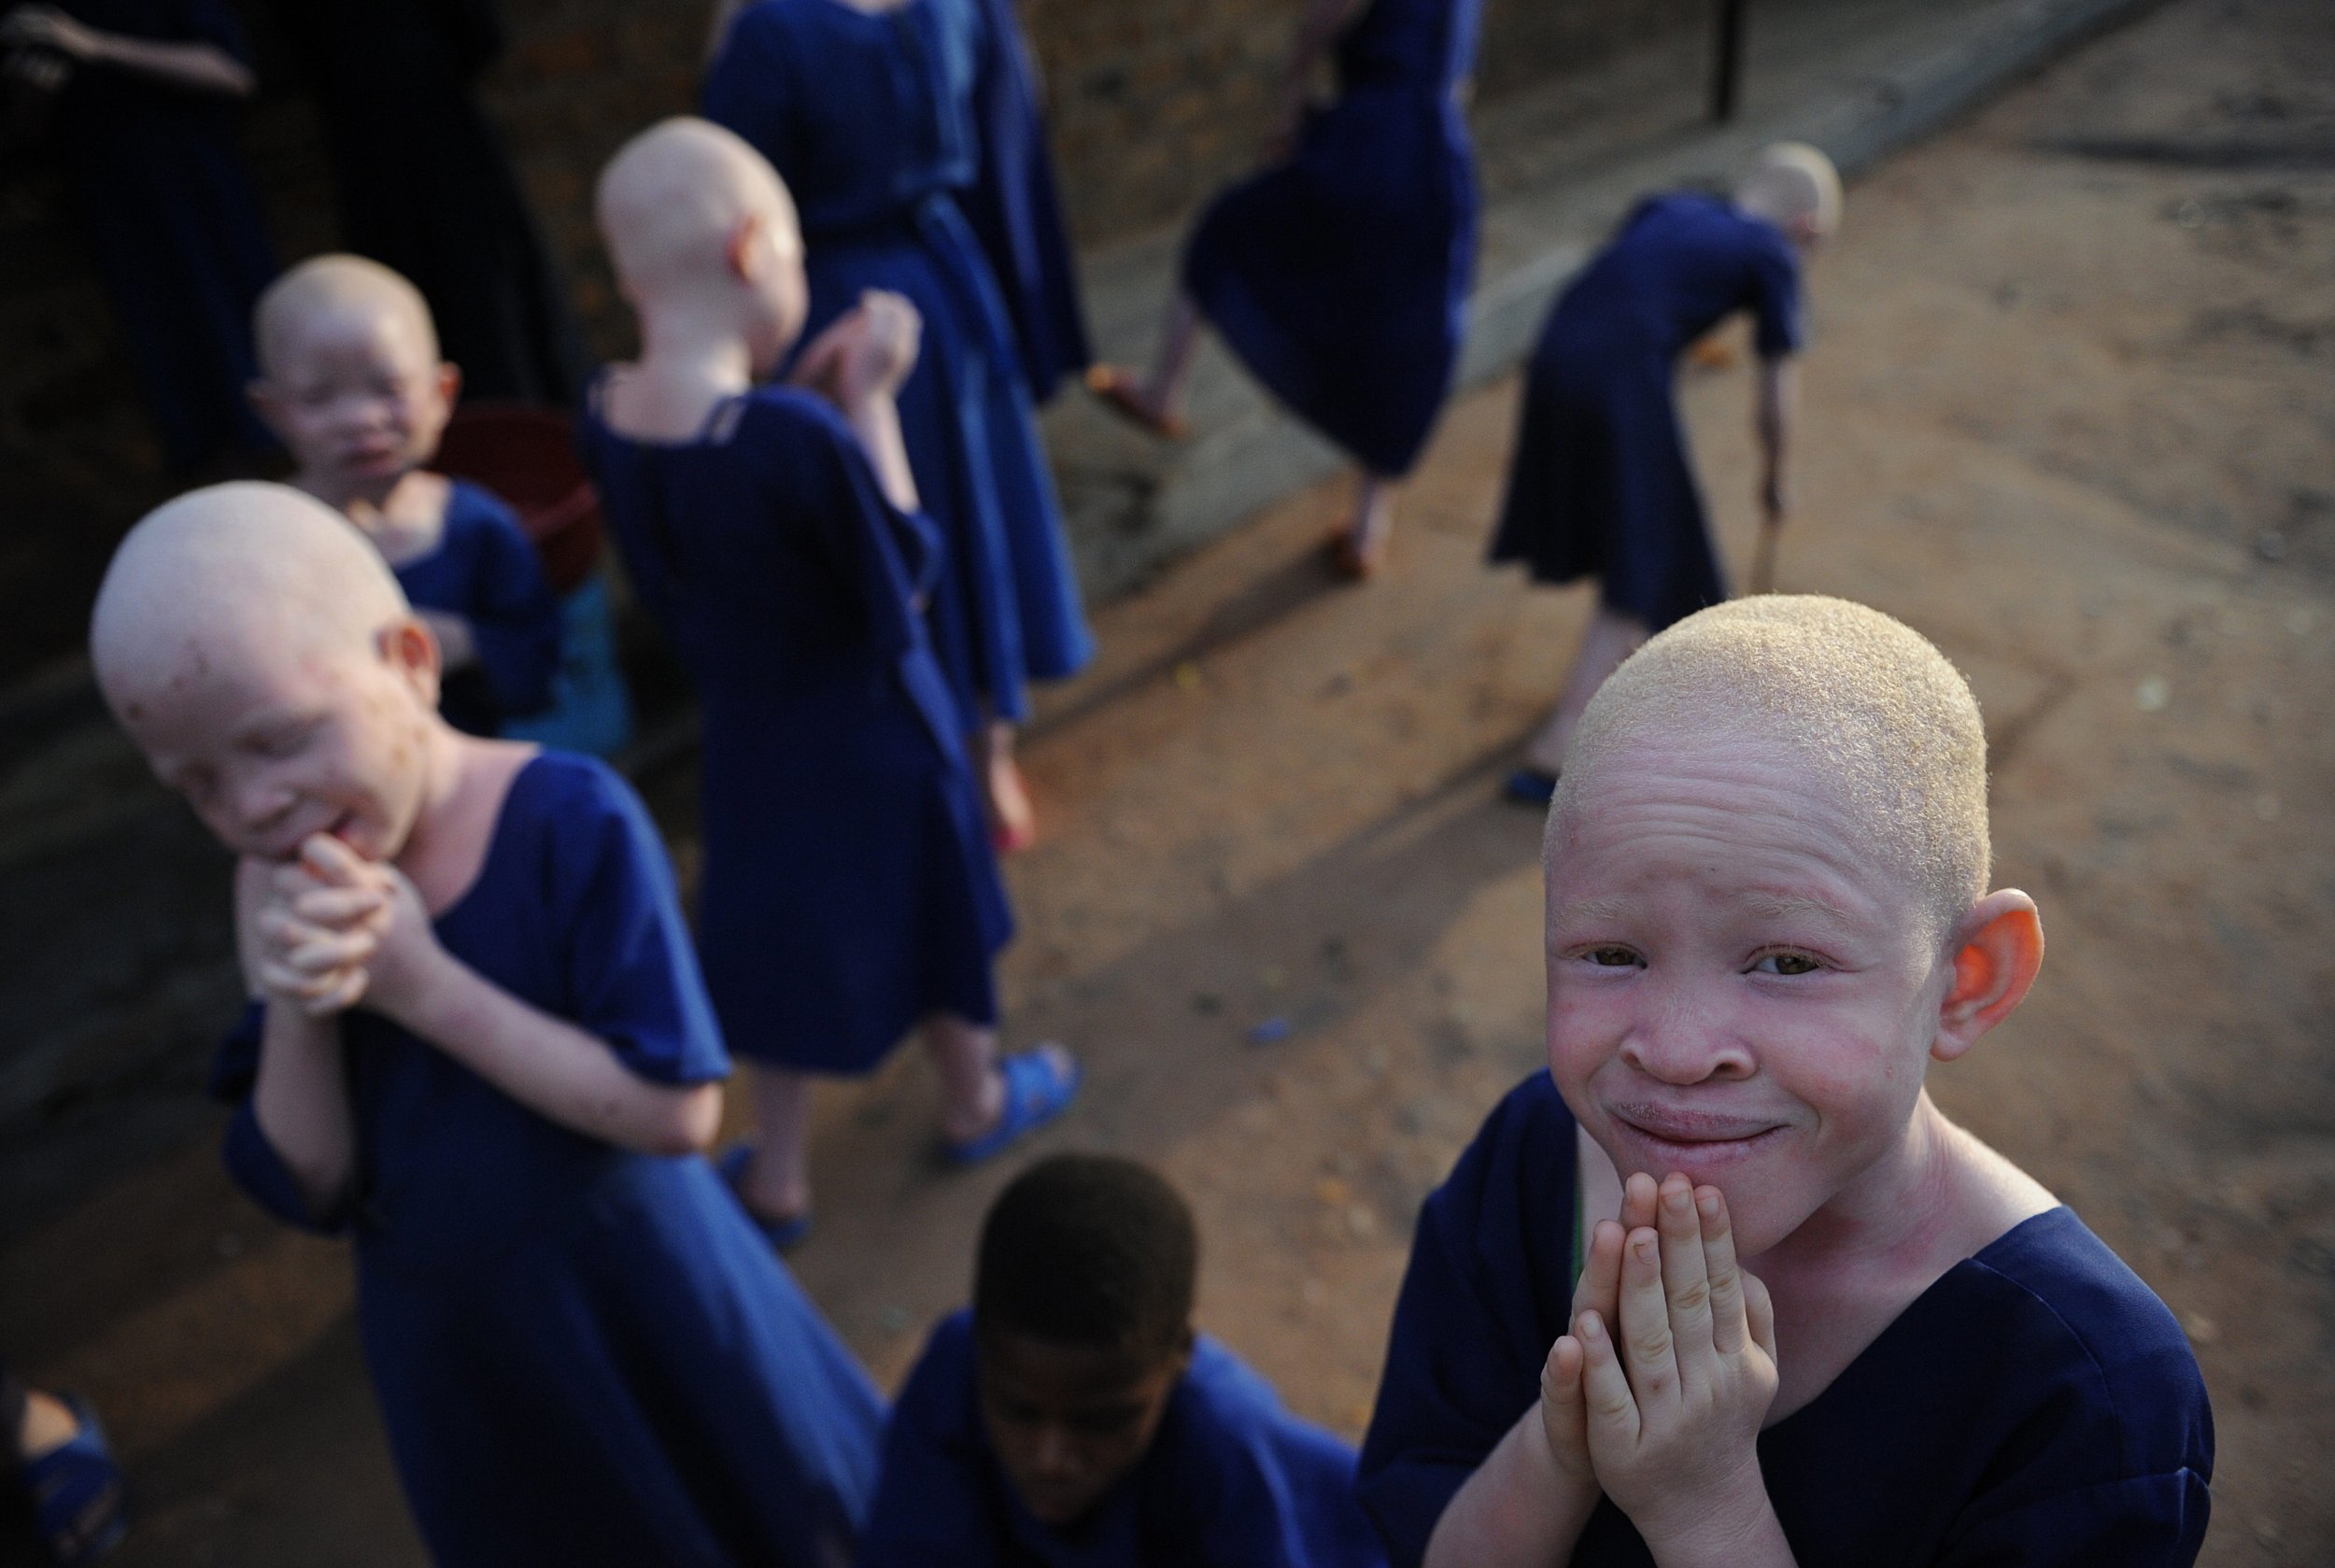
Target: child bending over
(851, 893)
(1828, 1326)
(1599, 486)
(352, 385)
(480, 1048)
(1073, 1420)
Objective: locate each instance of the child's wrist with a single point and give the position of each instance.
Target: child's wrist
(1732, 1523)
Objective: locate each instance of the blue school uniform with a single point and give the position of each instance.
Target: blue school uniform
(162, 193)
(485, 571)
(1016, 213)
(582, 1355)
(1600, 485)
(849, 886)
(868, 118)
(1340, 278)
(1231, 1480)
(2037, 1405)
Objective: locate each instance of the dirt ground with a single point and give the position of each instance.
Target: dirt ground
(2069, 411)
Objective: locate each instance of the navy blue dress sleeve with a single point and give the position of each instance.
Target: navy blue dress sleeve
(514, 615)
(1776, 301)
(1486, 1294)
(246, 1153)
(1271, 1491)
(632, 975)
(931, 1507)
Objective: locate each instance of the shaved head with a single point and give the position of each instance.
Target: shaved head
(1791, 183)
(673, 197)
(241, 571)
(333, 291)
(1869, 712)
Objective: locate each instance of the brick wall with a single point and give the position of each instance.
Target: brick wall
(1155, 104)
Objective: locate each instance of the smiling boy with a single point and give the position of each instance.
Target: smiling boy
(1830, 1327)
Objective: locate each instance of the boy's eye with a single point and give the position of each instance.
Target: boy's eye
(1109, 1422)
(1787, 964)
(1613, 958)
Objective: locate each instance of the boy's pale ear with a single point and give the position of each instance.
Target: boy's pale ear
(268, 403)
(408, 646)
(738, 250)
(449, 382)
(1999, 950)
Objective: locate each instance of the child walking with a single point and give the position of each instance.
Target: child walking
(352, 385)
(1600, 486)
(850, 893)
(1072, 1417)
(1339, 275)
(479, 1047)
(865, 109)
(1828, 1325)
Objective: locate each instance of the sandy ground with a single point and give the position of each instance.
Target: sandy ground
(2069, 412)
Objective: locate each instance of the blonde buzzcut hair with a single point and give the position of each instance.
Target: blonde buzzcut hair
(1879, 718)
(670, 199)
(1791, 180)
(334, 284)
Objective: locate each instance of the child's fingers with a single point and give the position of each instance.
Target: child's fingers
(334, 862)
(1646, 1346)
(1639, 1196)
(342, 995)
(340, 906)
(1564, 1413)
(1685, 1285)
(278, 979)
(1600, 1284)
(1608, 1408)
(333, 950)
(1760, 1312)
(1730, 1327)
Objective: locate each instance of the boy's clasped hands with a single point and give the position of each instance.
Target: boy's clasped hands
(328, 928)
(1656, 1397)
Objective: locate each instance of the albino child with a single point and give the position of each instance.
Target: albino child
(1599, 484)
(1072, 1417)
(1339, 273)
(479, 1047)
(1830, 1327)
(352, 385)
(851, 893)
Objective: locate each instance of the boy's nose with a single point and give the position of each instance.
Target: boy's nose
(1674, 1046)
(1054, 1455)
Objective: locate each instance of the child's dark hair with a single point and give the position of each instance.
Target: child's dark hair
(1088, 1250)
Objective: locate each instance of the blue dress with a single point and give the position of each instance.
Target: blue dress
(582, 1355)
(2038, 1405)
(1016, 213)
(849, 885)
(485, 571)
(868, 117)
(165, 199)
(1599, 484)
(1340, 278)
(1231, 1480)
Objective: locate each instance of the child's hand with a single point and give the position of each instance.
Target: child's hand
(865, 353)
(303, 941)
(1673, 1410)
(405, 946)
(1598, 1290)
(46, 27)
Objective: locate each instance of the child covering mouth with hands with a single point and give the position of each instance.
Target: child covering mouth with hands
(1828, 1325)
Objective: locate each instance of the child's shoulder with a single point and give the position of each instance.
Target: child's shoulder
(566, 800)
(2060, 1300)
(471, 509)
(791, 413)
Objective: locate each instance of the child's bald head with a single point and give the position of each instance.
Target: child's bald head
(246, 571)
(1794, 187)
(336, 293)
(672, 200)
(1866, 709)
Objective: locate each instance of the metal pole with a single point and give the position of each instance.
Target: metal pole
(1727, 66)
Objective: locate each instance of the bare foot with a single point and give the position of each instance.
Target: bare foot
(1126, 396)
(771, 1193)
(1012, 820)
(969, 1123)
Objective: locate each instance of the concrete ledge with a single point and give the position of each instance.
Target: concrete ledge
(1857, 77)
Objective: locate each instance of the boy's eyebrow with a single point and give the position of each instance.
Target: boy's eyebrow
(1592, 911)
(1786, 906)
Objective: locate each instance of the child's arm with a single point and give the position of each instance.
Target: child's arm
(1529, 1501)
(1674, 1385)
(560, 1071)
(1778, 395)
(193, 67)
(859, 364)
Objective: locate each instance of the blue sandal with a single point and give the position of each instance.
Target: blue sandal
(1035, 1094)
(76, 1494)
(783, 1235)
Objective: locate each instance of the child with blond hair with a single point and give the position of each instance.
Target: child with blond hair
(1814, 1321)
(352, 383)
(850, 892)
(479, 1047)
